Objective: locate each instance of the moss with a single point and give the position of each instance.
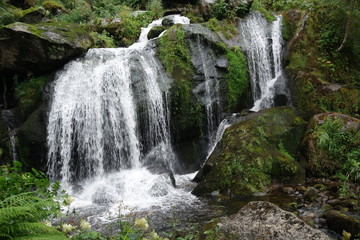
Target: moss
(29, 93)
(156, 31)
(54, 7)
(247, 158)
(175, 56)
(225, 27)
(237, 78)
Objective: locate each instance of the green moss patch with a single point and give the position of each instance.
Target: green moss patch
(247, 158)
(237, 77)
(175, 56)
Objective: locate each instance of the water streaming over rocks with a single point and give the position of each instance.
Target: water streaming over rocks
(263, 44)
(108, 131)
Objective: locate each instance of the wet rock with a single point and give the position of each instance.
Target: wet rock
(311, 194)
(222, 63)
(339, 221)
(32, 139)
(103, 197)
(288, 190)
(246, 160)
(167, 22)
(155, 32)
(40, 47)
(264, 220)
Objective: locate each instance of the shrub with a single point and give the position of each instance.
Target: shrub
(220, 10)
(341, 146)
(156, 7)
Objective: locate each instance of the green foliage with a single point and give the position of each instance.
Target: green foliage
(21, 216)
(103, 40)
(259, 6)
(131, 25)
(26, 200)
(175, 56)
(341, 146)
(282, 149)
(156, 7)
(237, 79)
(29, 92)
(14, 181)
(226, 27)
(297, 61)
(89, 235)
(220, 10)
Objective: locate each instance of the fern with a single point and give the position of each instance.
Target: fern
(21, 216)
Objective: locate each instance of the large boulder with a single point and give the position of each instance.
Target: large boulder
(342, 221)
(40, 47)
(331, 136)
(264, 220)
(254, 151)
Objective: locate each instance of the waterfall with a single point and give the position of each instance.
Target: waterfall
(263, 44)
(8, 117)
(208, 91)
(108, 128)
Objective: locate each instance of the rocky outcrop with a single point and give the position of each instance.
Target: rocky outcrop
(40, 47)
(340, 135)
(315, 80)
(264, 220)
(253, 152)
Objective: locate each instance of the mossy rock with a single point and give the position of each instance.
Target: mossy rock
(156, 31)
(33, 15)
(312, 96)
(321, 79)
(54, 7)
(42, 47)
(248, 156)
(340, 221)
(321, 162)
(32, 140)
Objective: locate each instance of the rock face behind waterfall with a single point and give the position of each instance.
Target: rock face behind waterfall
(253, 152)
(193, 131)
(40, 47)
(264, 220)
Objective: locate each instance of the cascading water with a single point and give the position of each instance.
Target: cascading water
(108, 129)
(208, 91)
(263, 44)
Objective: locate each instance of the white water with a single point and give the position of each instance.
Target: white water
(108, 121)
(263, 44)
(210, 91)
(13, 144)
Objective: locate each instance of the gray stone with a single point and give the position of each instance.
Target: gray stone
(40, 48)
(264, 220)
(222, 63)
